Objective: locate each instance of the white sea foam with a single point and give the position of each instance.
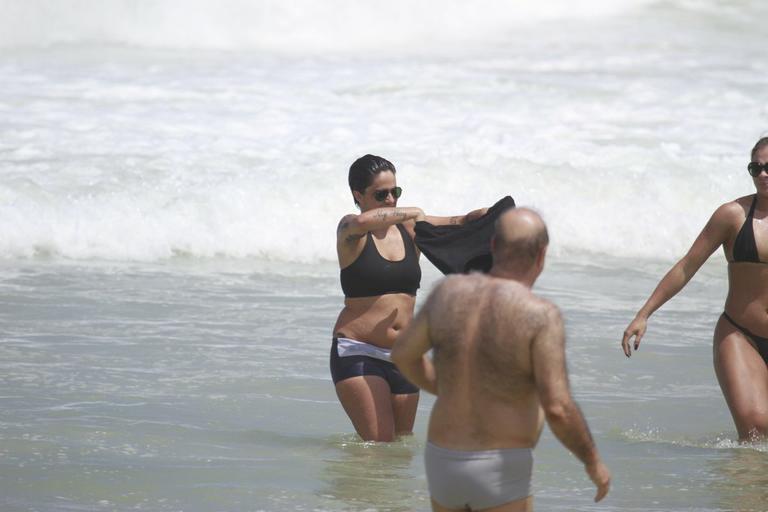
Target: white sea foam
(626, 126)
(722, 441)
(299, 25)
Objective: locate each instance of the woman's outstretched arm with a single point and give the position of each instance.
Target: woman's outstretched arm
(714, 234)
(456, 219)
(355, 226)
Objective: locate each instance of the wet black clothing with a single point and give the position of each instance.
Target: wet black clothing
(461, 248)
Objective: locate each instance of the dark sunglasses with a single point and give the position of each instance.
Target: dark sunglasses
(755, 168)
(381, 195)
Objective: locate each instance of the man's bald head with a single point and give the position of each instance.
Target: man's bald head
(520, 237)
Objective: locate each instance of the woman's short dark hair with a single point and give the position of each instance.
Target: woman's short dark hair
(758, 146)
(362, 171)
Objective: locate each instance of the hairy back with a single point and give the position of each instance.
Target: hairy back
(482, 329)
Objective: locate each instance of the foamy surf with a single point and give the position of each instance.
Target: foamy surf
(720, 441)
(296, 27)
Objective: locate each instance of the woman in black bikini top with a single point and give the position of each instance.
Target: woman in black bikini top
(741, 333)
(379, 274)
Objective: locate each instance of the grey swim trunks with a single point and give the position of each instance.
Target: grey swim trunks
(481, 479)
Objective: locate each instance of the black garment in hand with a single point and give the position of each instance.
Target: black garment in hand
(461, 248)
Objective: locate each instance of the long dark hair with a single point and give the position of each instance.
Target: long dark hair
(362, 171)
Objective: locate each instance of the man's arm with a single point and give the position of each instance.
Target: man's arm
(409, 352)
(563, 415)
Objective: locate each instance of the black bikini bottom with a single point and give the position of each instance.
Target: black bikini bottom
(355, 366)
(761, 342)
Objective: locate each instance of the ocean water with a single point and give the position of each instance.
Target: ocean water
(171, 175)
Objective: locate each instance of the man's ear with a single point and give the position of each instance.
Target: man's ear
(542, 256)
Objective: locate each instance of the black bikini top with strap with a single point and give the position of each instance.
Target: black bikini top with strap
(371, 274)
(744, 247)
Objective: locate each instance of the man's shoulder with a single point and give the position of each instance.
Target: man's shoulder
(522, 302)
(457, 282)
(458, 289)
(517, 293)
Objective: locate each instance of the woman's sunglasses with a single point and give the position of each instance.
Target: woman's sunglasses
(755, 168)
(381, 195)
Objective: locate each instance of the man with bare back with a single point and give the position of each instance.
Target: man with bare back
(498, 371)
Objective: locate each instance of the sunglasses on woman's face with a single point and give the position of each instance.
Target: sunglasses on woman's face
(381, 195)
(755, 168)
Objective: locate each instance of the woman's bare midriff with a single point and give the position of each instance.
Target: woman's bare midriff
(747, 301)
(375, 320)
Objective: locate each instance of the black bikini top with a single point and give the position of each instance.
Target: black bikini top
(744, 247)
(371, 274)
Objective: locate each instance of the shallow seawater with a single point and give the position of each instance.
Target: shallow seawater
(170, 181)
(205, 386)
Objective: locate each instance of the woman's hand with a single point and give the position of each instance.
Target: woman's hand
(475, 214)
(636, 328)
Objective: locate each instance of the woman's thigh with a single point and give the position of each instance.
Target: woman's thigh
(404, 411)
(367, 401)
(743, 378)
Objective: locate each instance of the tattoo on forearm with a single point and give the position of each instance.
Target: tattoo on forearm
(397, 213)
(454, 220)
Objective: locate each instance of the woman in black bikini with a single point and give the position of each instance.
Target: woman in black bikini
(741, 334)
(380, 274)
